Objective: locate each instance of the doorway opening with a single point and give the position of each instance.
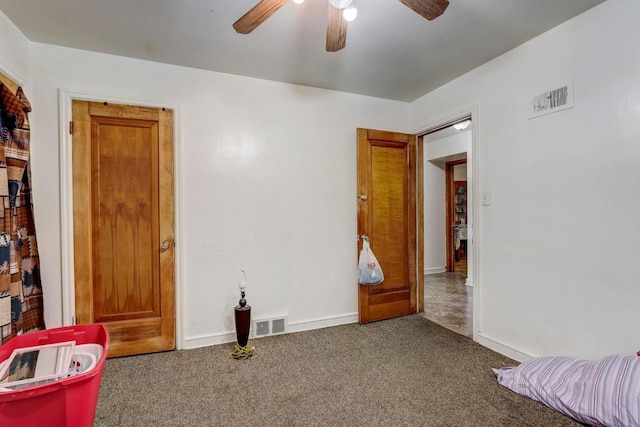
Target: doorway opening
(447, 224)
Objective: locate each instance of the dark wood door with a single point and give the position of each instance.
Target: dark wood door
(123, 224)
(456, 213)
(387, 214)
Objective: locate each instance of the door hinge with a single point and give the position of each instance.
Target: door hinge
(70, 127)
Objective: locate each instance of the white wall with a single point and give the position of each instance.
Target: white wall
(15, 53)
(436, 153)
(559, 244)
(460, 172)
(444, 149)
(435, 257)
(267, 182)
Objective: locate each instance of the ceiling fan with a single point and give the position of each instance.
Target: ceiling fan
(336, 24)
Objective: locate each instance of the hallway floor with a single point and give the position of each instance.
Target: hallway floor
(449, 302)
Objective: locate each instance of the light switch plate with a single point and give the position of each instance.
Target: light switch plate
(486, 198)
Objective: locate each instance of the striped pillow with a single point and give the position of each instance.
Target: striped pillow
(605, 393)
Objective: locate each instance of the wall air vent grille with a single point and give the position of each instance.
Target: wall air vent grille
(560, 98)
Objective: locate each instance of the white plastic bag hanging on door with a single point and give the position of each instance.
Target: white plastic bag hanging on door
(369, 270)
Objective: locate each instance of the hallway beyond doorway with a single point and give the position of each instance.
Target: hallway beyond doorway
(449, 302)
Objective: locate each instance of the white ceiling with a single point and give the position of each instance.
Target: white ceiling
(391, 51)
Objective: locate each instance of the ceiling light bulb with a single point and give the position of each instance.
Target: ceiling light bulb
(350, 13)
(298, 1)
(340, 4)
(462, 125)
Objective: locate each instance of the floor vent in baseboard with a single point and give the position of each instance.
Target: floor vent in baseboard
(272, 326)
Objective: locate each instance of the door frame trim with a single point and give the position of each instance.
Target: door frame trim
(65, 97)
(473, 274)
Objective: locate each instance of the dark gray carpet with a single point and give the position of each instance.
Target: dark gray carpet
(406, 371)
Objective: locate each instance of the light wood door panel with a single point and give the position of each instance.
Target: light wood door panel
(124, 254)
(123, 211)
(387, 176)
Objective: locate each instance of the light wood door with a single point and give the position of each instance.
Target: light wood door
(123, 219)
(387, 214)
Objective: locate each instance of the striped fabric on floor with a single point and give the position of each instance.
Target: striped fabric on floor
(605, 393)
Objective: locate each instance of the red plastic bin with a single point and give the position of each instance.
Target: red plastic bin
(67, 402)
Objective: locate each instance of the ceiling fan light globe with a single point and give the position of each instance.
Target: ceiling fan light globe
(350, 13)
(340, 4)
(298, 1)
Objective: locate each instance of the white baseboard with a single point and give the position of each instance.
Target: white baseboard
(209, 340)
(435, 270)
(469, 282)
(323, 322)
(501, 348)
(304, 325)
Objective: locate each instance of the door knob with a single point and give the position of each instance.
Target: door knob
(362, 197)
(165, 245)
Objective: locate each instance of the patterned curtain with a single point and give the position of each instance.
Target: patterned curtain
(20, 286)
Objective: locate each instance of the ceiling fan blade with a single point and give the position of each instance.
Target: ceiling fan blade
(429, 9)
(257, 15)
(336, 30)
